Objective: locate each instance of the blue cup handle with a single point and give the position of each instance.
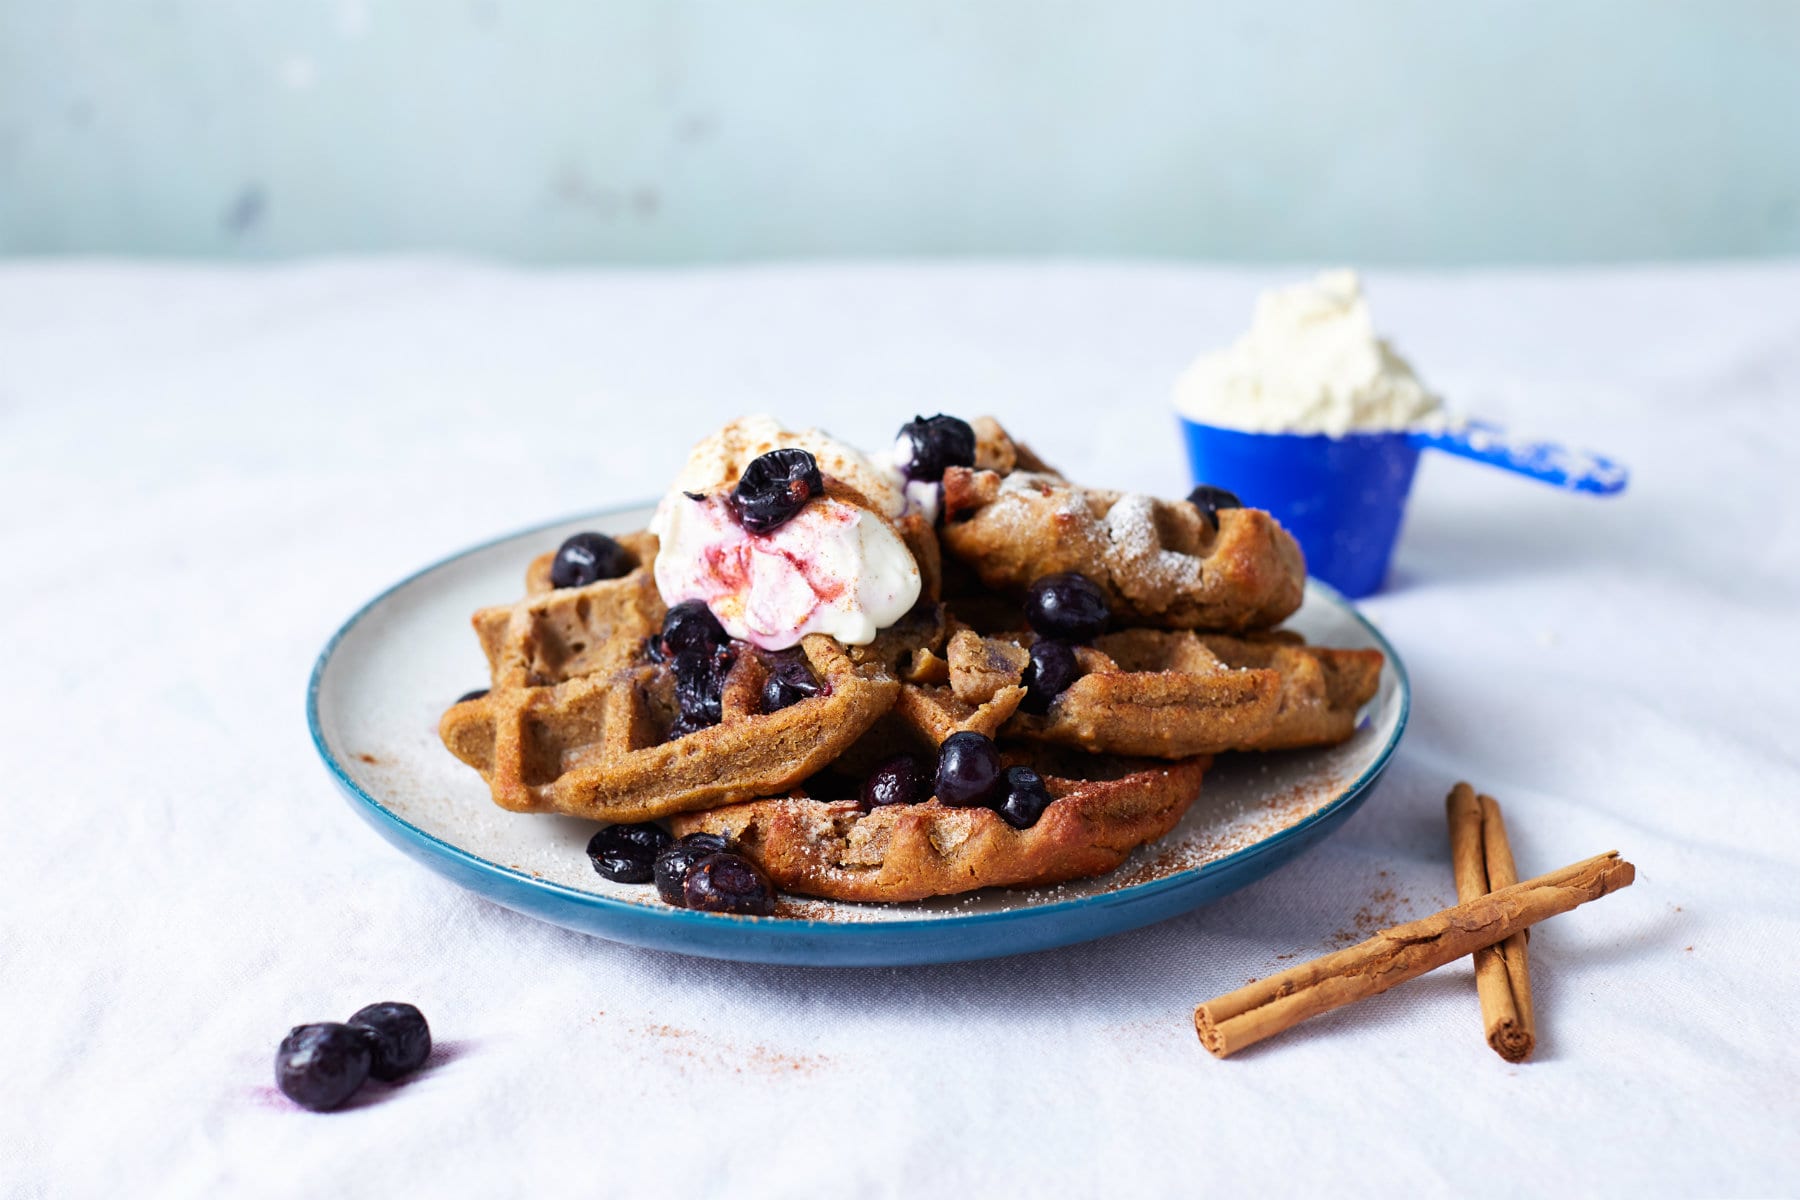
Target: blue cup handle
(1547, 462)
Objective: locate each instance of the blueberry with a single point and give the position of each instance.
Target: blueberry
(399, 1039)
(588, 557)
(937, 443)
(898, 780)
(968, 768)
(690, 625)
(674, 862)
(700, 686)
(319, 1066)
(728, 883)
(1048, 674)
(1066, 605)
(1026, 798)
(774, 487)
(627, 853)
(790, 681)
(477, 694)
(1209, 500)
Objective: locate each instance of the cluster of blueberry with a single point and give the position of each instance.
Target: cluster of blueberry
(699, 654)
(1061, 609)
(320, 1066)
(970, 773)
(701, 871)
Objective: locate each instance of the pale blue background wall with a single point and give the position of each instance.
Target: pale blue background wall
(671, 130)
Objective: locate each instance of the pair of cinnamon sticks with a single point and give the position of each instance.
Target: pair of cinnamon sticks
(1490, 922)
(1481, 856)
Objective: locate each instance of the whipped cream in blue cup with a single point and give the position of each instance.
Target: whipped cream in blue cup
(1312, 417)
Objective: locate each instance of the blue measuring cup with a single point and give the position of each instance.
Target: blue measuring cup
(1343, 497)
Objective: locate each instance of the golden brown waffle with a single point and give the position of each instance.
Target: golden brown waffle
(1103, 809)
(1150, 692)
(1169, 694)
(973, 686)
(558, 634)
(1159, 562)
(924, 628)
(577, 719)
(1322, 689)
(1157, 693)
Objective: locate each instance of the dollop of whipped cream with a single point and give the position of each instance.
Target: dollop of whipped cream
(835, 567)
(1310, 363)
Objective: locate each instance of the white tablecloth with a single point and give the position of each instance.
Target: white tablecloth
(204, 470)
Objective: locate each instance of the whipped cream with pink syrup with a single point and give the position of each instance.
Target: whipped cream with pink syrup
(834, 567)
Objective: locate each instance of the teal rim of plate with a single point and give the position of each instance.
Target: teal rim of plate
(680, 917)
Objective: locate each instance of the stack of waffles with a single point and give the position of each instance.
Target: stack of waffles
(586, 713)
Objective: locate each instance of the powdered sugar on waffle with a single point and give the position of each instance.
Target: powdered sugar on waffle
(1135, 548)
(1069, 503)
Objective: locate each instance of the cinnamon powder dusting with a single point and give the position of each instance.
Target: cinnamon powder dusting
(1381, 912)
(798, 908)
(1264, 819)
(691, 1048)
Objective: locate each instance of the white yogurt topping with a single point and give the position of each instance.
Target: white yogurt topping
(920, 496)
(925, 498)
(833, 568)
(1310, 363)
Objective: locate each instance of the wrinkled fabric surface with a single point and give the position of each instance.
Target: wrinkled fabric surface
(203, 471)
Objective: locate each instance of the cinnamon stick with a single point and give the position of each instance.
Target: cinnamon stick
(1482, 860)
(1502, 873)
(1268, 1006)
